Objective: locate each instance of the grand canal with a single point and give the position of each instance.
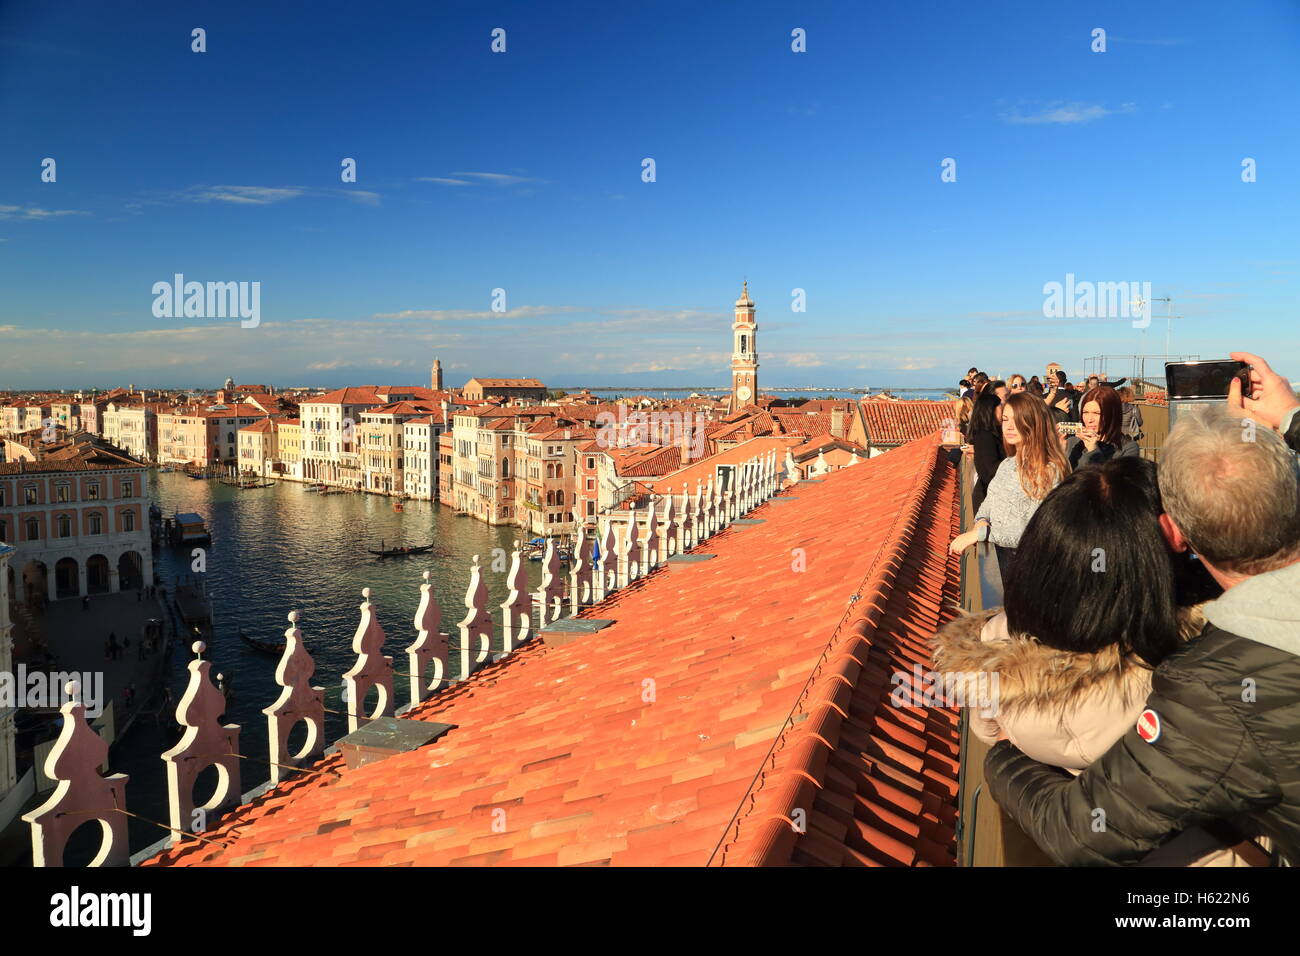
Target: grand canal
(286, 548)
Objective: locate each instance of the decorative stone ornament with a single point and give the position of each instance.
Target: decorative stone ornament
(372, 669)
(608, 564)
(791, 469)
(476, 626)
(81, 794)
(581, 573)
(205, 742)
(430, 647)
(668, 531)
(632, 556)
(652, 549)
(517, 608)
(298, 700)
(821, 466)
(550, 594)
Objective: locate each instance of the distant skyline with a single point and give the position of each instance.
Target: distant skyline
(819, 171)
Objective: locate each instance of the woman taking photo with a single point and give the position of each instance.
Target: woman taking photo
(1102, 436)
(1036, 466)
(985, 438)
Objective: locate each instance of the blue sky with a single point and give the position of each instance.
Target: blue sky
(522, 171)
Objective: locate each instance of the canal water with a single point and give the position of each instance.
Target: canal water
(286, 548)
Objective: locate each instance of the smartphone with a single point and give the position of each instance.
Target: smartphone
(1069, 428)
(1205, 379)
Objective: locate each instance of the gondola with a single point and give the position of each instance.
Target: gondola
(266, 647)
(400, 552)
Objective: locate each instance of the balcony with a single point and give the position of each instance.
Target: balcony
(986, 836)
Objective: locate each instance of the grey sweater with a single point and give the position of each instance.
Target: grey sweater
(1006, 506)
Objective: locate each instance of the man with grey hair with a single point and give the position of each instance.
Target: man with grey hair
(1217, 749)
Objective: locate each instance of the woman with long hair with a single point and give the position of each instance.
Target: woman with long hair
(1075, 645)
(1102, 436)
(1036, 465)
(985, 439)
(961, 409)
(1132, 415)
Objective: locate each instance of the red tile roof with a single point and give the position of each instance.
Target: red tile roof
(771, 694)
(899, 422)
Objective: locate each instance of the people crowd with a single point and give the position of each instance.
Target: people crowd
(1149, 640)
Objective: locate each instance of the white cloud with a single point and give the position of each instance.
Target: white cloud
(477, 179)
(245, 195)
(35, 212)
(1066, 113)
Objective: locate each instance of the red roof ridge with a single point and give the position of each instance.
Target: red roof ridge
(764, 832)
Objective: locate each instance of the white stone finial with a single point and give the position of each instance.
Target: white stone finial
(476, 625)
(205, 742)
(81, 795)
(372, 669)
(516, 609)
(298, 700)
(430, 646)
(549, 596)
(198, 647)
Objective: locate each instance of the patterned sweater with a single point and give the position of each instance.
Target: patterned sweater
(1006, 506)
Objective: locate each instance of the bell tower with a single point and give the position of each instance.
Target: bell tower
(435, 376)
(744, 353)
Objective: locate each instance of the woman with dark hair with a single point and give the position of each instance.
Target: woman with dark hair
(984, 435)
(1092, 609)
(1022, 481)
(1102, 436)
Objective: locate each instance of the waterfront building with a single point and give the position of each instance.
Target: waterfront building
(421, 438)
(546, 464)
(257, 446)
(288, 458)
(90, 414)
(183, 436)
(79, 524)
(446, 467)
(508, 389)
(331, 453)
(223, 424)
(381, 435)
(133, 428)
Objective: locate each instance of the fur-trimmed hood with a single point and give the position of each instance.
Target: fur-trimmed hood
(1059, 707)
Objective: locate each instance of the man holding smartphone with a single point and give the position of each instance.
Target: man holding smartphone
(1271, 401)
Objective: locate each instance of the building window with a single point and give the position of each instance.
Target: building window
(29, 495)
(92, 491)
(4, 530)
(591, 464)
(33, 529)
(2, 496)
(128, 489)
(64, 526)
(128, 520)
(95, 524)
(61, 493)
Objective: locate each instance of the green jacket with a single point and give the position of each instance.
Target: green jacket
(1219, 740)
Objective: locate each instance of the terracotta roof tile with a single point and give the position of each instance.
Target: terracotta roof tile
(771, 695)
(899, 422)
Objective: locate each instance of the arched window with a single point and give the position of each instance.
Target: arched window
(744, 343)
(128, 520)
(65, 526)
(505, 468)
(230, 438)
(95, 524)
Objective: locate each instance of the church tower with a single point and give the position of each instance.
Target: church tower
(744, 353)
(435, 377)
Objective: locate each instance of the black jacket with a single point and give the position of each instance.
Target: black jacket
(1221, 742)
(1077, 454)
(988, 455)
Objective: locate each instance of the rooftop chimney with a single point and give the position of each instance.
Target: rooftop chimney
(837, 421)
